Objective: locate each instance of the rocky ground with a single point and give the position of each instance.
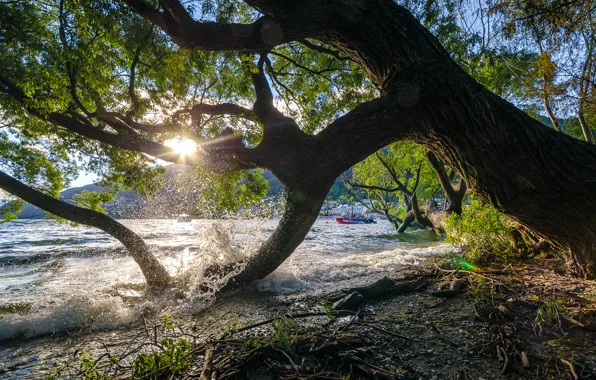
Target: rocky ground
(523, 321)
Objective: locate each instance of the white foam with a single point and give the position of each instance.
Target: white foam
(75, 312)
(93, 292)
(103, 307)
(300, 272)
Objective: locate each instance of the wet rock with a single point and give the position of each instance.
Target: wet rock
(376, 288)
(352, 301)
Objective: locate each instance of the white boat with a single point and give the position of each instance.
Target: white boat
(184, 218)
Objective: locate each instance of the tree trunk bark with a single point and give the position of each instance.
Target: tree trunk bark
(155, 274)
(393, 220)
(406, 222)
(585, 82)
(421, 219)
(550, 113)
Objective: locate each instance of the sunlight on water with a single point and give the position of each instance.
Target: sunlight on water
(54, 277)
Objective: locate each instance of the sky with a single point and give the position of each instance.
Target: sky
(84, 179)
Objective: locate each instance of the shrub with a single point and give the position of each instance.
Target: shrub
(484, 234)
(172, 357)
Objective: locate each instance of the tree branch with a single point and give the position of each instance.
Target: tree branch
(264, 109)
(417, 180)
(71, 70)
(134, 99)
(261, 35)
(229, 109)
(308, 70)
(155, 274)
(439, 168)
(371, 187)
(324, 50)
(394, 176)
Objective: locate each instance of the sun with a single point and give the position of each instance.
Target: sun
(183, 146)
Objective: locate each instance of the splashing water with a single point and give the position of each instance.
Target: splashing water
(55, 277)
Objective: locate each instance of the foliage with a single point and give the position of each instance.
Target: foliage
(93, 200)
(562, 38)
(170, 355)
(330, 311)
(88, 368)
(549, 312)
(77, 57)
(173, 358)
(10, 210)
(484, 233)
(223, 194)
(285, 333)
(377, 181)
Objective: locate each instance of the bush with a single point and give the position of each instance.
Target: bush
(163, 356)
(485, 234)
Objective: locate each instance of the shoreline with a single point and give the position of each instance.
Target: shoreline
(488, 330)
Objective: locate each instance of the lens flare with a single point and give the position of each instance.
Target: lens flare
(183, 146)
(466, 265)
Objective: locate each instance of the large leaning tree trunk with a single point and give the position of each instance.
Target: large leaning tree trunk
(155, 274)
(543, 179)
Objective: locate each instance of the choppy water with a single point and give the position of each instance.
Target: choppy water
(55, 277)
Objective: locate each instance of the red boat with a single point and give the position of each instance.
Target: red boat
(354, 220)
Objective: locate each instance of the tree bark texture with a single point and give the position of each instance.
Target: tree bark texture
(155, 274)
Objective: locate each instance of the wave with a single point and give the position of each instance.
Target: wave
(124, 303)
(25, 259)
(302, 273)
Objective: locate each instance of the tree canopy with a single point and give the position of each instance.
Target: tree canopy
(306, 93)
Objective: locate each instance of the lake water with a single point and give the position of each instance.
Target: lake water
(55, 277)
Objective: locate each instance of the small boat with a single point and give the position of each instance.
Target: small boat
(354, 220)
(184, 218)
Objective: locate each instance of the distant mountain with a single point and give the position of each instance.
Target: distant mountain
(170, 201)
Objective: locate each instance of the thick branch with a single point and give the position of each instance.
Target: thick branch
(116, 120)
(262, 35)
(229, 109)
(219, 155)
(455, 195)
(394, 176)
(264, 109)
(300, 214)
(155, 274)
(371, 187)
